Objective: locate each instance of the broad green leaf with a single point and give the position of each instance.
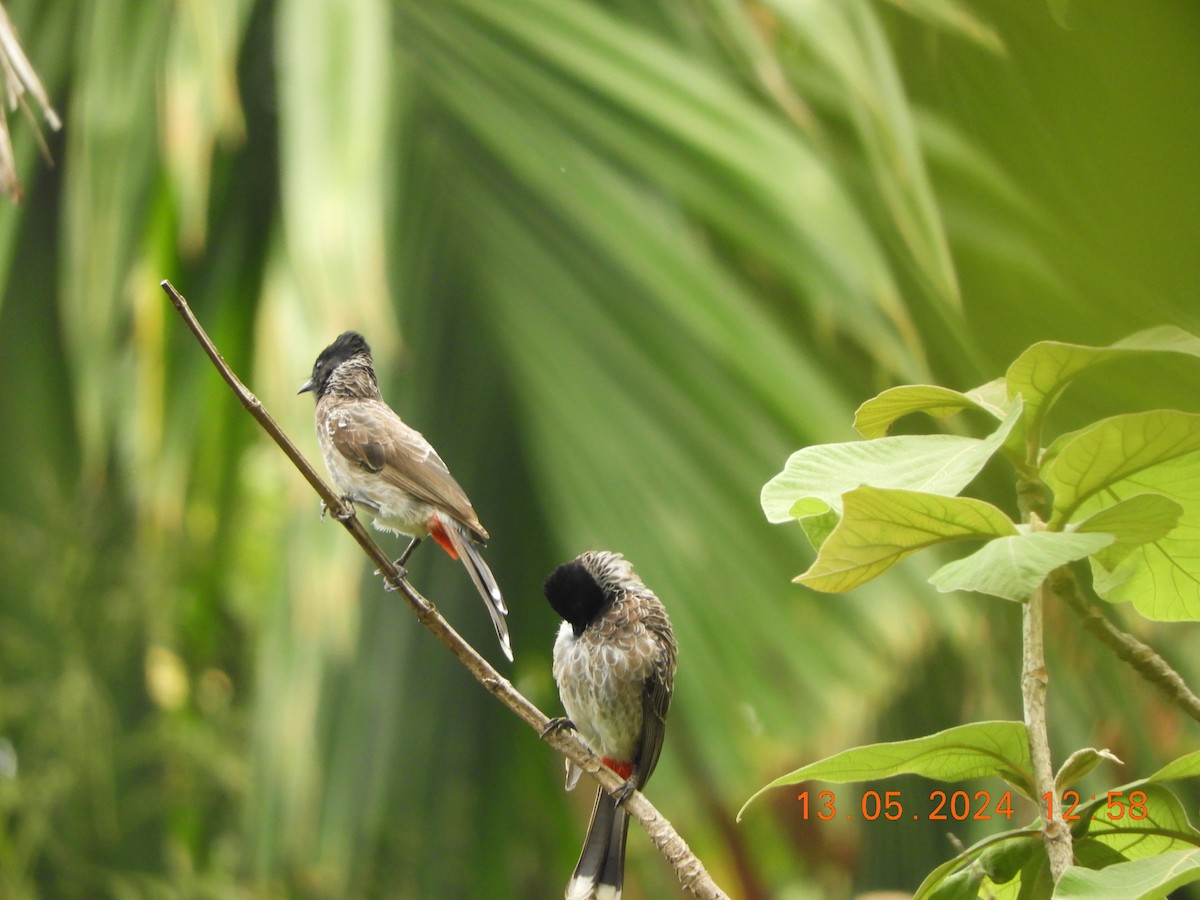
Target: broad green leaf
(1137, 520)
(977, 750)
(1011, 567)
(1161, 578)
(1163, 828)
(1187, 766)
(880, 527)
(1044, 370)
(1138, 879)
(1113, 450)
(876, 416)
(815, 478)
(1079, 764)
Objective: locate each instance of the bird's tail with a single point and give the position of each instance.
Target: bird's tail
(600, 872)
(466, 551)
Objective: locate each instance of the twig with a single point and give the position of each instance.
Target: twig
(1141, 657)
(691, 872)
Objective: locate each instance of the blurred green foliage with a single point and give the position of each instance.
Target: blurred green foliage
(617, 260)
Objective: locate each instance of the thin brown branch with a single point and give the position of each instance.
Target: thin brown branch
(1141, 657)
(690, 871)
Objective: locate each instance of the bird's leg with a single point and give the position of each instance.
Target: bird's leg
(557, 724)
(388, 584)
(403, 558)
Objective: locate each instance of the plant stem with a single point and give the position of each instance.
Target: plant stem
(690, 870)
(1032, 498)
(1034, 680)
(1141, 657)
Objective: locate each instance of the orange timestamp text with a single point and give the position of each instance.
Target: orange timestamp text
(960, 806)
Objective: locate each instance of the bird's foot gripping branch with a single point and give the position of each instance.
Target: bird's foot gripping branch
(1121, 497)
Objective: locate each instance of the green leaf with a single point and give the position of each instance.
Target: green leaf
(631, 96)
(1113, 450)
(1079, 764)
(818, 527)
(1011, 567)
(1186, 766)
(966, 751)
(992, 396)
(1161, 578)
(1163, 828)
(956, 19)
(876, 416)
(880, 527)
(815, 478)
(962, 885)
(849, 39)
(1094, 855)
(1036, 880)
(1137, 520)
(1138, 879)
(1044, 371)
(1003, 862)
(1004, 854)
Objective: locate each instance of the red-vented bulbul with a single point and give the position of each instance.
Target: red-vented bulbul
(614, 663)
(379, 463)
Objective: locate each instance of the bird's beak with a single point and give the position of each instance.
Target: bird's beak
(306, 387)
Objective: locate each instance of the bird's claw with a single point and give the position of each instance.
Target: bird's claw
(622, 793)
(348, 509)
(391, 582)
(348, 512)
(557, 724)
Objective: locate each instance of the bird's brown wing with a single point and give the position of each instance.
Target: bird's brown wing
(656, 697)
(372, 436)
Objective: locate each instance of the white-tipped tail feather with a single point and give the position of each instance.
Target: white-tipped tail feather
(482, 577)
(600, 872)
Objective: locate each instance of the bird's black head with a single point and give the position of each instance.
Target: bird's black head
(575, 594)
(348, 345)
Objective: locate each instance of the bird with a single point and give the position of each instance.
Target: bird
(378, 462)
(614, 663)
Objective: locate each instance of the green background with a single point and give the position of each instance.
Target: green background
(617, 260)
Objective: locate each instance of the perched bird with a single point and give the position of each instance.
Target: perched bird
(381, 464)
(614, 663)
